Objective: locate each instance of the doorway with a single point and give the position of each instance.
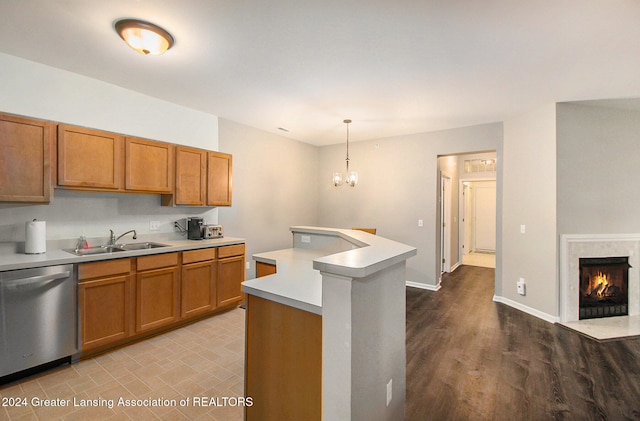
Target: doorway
(478, 227)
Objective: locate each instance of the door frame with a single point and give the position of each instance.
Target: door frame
(445, 224)
(466, 214)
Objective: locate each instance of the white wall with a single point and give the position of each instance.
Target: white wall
(528, 167)
(598, 170)
(275, 187)
(35, 90)
(398, 185)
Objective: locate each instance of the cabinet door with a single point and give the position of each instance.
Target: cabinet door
(148, 166)
(230, 276)
(191, 170)
(264, 269)
(156, 298)
(198, 289)
(25, 159)
(105, 311)
(90, 159)
(219, 179)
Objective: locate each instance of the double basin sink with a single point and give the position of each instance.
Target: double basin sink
(114, 249)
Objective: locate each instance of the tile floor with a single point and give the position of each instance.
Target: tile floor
(205, 359)
(486, 260)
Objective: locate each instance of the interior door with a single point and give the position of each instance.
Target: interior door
(485, 216)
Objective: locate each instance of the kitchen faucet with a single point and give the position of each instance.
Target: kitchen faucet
(113, 239)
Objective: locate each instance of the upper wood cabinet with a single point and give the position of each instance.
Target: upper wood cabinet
(203, 178)
(90, 159)
(148, 166)
(32, 162)
(219, 179)
(191, 176)
(26, 147)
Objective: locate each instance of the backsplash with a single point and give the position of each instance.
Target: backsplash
(72, 214)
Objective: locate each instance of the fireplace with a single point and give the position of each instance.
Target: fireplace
(604, 287)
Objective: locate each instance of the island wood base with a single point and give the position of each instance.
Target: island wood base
(283, 362)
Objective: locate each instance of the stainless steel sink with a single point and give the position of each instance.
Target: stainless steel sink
(87, 251)
(94, 250)
(140, 246)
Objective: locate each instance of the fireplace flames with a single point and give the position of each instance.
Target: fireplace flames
(600, 287)
(603, 287)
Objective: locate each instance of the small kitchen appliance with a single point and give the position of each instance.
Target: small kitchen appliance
(213, 231)
(195, 228)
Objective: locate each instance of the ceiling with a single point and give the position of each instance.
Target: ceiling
(393, 67)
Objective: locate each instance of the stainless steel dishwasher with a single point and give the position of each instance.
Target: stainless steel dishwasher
(38, 317)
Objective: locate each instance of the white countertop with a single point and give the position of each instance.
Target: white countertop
(298, 281)
(14, 260)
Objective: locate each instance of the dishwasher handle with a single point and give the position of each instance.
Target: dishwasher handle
(23, 282)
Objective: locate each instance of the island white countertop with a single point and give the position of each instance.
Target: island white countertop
(298, 281)
(10, 259)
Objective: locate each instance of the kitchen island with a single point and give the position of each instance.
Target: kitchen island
(326, 332)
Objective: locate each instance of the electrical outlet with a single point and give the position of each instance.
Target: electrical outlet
(389, 391)
(522, 287)
(154, 225)
(523, 229)
(248, 265)
(305, 238)
(420, 222)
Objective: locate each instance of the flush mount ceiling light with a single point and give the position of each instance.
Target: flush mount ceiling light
(144, 37)
(351, 177)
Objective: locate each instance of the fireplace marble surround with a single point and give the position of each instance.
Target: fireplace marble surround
(575, 246)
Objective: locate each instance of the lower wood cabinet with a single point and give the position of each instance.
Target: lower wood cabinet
(124, 299)
(283, 369)
(265, 269)
(105, 303)
(231, 274)
(198, 290)
(157, 291)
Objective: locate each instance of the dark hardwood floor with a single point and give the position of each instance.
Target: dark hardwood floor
(469, 358)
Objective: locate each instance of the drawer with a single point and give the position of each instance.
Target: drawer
(157, 261)
(198, 255)
(102, 269)
(230, 251)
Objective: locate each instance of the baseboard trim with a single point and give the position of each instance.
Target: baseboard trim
(423, 286)
(456, 266)
(532, 311)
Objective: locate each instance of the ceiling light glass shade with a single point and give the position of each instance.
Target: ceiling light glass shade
(144, 37)
(352, 178)
(337, 179)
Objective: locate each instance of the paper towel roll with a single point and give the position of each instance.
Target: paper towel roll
(35, 237)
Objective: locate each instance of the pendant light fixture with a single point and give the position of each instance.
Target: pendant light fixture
(144, 37)
(350, 177)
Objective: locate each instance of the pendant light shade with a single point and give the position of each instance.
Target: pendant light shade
(350, 178)
(144, 37)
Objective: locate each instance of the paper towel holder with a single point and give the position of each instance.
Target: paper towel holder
(35, 237)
